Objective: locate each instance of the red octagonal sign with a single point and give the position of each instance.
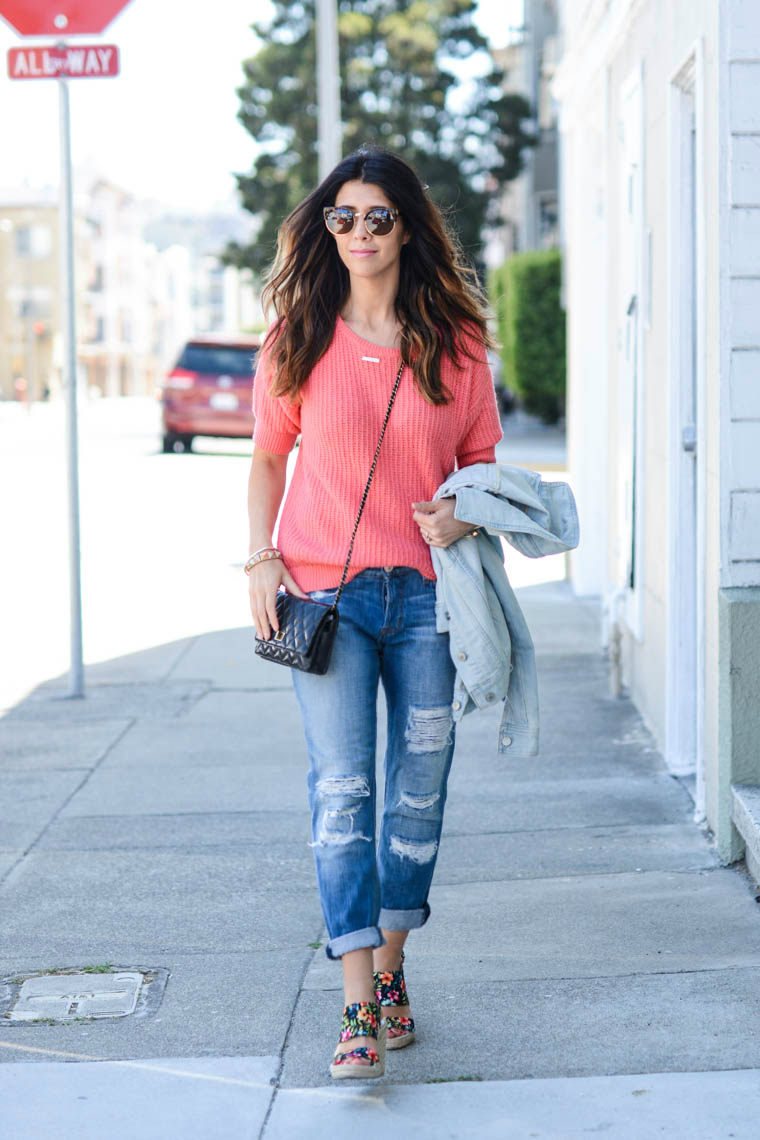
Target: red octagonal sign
(60, 18)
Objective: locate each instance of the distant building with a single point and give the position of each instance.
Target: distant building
(221, 298)
(30, 344)
(145, 281)
(530, 205)
(117, 346)
(660, 133)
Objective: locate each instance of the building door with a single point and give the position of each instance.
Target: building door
(683, 746)
(630, 275)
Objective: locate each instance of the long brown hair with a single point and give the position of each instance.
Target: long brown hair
(439, 297)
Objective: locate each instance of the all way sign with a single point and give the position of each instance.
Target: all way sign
(89, 61)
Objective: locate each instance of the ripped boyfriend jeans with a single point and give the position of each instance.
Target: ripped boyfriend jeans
(386, 631)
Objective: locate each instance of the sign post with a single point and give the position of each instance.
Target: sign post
(68, 324)
(329, 133)
(61, 62)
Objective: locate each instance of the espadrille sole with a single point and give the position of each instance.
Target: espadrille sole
(401, 1041)
(358, 1072)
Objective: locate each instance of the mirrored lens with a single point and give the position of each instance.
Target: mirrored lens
(379, 221)
(339, 219)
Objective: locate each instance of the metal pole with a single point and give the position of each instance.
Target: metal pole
(68, 328)
(329, 133)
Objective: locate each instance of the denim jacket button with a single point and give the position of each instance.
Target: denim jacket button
(462, 656)
(489, 696)
(506, 740)
(456, 706)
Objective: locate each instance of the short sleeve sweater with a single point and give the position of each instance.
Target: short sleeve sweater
(339, 418)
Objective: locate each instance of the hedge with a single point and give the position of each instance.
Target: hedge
(525, 296)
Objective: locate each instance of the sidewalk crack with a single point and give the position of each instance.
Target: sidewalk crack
(75, 791)
(191, 642)
(286, 1039)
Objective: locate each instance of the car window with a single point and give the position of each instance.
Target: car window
(217, 358)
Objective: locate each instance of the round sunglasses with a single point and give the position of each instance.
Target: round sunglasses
(378, 221)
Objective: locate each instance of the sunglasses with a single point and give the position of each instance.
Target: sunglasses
(378, 221)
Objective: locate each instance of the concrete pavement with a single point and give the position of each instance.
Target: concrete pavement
(588, 965)
(582, 927)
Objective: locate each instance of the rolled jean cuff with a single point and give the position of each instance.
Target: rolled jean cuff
(356, 940)
(404, 919)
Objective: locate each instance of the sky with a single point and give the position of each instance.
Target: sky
(166, 127)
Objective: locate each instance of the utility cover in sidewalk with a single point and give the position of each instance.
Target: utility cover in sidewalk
(64, 997)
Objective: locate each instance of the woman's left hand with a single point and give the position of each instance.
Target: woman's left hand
(437, 521)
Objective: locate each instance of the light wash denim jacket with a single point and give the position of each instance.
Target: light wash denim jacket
(489, 639)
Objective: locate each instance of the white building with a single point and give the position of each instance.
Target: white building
(117, 345)
(660, 204)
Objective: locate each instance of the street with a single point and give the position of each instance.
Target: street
(163, 538)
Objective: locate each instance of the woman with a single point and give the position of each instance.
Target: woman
(366, 278)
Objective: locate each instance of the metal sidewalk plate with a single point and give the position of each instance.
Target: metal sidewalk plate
(65, 997)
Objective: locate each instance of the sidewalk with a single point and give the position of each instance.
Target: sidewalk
(588, 965)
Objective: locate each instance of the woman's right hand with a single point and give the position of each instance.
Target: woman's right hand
(264, 580)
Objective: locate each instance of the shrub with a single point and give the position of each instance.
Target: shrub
(525, 295)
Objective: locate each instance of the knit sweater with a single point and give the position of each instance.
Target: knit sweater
(339, 418)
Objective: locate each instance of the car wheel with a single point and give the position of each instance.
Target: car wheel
(173, 443)
(506, 401)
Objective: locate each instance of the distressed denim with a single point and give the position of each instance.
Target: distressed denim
(387, 631)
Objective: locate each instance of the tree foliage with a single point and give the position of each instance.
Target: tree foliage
(396, 86)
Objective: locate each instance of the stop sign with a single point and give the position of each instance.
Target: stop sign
(60, 17)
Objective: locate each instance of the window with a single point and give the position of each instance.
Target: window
(35, 240)
(216, 359)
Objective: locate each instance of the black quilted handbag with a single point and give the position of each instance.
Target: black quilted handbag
(307, 627)
(306, 634)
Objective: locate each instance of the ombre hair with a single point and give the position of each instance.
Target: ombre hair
(439, 302)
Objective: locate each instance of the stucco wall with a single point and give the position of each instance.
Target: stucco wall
(610, 46)
(659, 40)
(604, 45)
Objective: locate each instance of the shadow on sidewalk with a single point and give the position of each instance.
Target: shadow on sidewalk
(163, 820)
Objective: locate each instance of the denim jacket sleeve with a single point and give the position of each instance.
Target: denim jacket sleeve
(535, 517)
(489, 639)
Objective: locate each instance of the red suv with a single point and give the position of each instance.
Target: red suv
(209, 391)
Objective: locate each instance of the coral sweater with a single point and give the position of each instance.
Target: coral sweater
(343, 404)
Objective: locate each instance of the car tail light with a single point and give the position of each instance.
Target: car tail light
(179, 378)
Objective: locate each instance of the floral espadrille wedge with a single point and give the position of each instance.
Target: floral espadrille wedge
(390, 988)
(361, 1019)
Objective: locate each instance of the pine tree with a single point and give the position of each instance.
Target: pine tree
(396, 80)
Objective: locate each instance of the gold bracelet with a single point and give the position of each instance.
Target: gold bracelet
(261, 556)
